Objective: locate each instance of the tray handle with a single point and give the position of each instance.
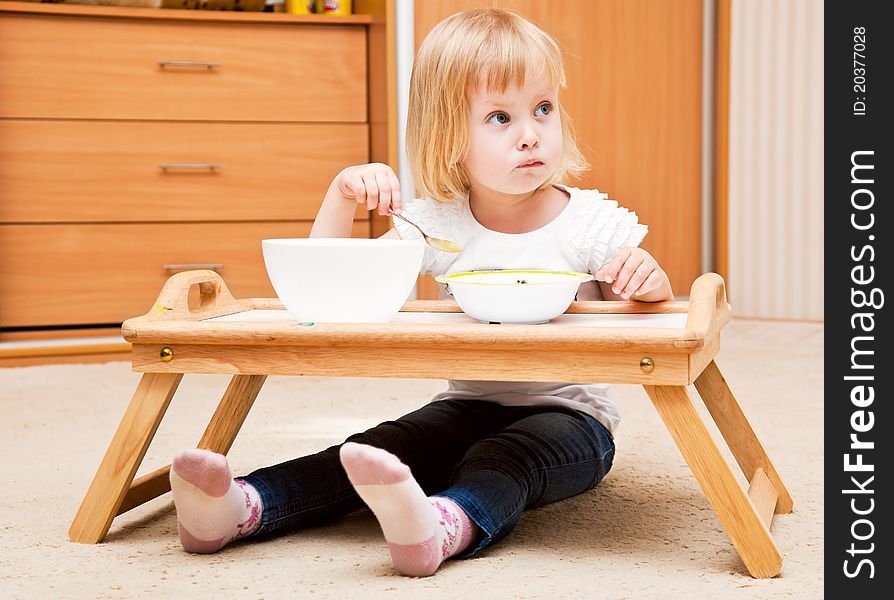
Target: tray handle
(708, 309)
(214, 297)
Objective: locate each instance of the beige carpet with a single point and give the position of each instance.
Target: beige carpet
(645, 532)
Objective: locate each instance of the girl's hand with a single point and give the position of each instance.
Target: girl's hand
(633, 272)
(374, 185)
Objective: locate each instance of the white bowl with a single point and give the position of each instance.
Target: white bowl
(514, 296)
(342, 280)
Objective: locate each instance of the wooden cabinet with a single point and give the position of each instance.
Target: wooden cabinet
(79, 66)
(81, 273)
(138, 142)
(70, 171)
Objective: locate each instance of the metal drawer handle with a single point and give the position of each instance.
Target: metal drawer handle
(190, 167)
(189, 64)
(193, 266)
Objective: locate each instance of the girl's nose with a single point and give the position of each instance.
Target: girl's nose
(528, 139)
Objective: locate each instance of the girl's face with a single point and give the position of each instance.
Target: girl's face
(515, 141)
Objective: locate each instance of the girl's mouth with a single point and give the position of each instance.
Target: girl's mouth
(529, 164)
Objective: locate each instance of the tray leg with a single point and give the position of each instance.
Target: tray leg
(732, 505)
(218, 437)
(737, 432)
(123, 457)
(231, 412)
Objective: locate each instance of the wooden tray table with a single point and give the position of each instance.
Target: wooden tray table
(663, 346)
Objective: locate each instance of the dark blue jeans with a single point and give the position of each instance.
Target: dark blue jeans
(494, 461)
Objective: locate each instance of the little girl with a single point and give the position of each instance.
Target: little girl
(489, 143)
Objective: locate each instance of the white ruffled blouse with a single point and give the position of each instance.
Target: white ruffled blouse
(588, 232)
(582, 238)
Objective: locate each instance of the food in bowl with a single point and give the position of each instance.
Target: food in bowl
(342, 280)
(514, 296)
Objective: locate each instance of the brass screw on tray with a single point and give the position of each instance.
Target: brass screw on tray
(647, 365)
(166, 354)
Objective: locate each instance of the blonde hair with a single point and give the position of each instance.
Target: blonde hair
(494, 46)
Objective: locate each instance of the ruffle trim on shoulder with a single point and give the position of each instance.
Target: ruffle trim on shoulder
(602, 227)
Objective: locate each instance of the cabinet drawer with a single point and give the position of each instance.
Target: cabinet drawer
(86, 274)
(56, 171)
(112, 68)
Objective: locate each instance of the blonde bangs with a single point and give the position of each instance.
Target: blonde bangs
(492, 46)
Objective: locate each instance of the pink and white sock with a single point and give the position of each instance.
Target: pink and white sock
(421, 532)
(213, 509)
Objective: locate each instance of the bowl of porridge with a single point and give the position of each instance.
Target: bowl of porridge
(513, 296)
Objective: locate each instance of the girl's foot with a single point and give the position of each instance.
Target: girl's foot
(213, 509)
(421, 532)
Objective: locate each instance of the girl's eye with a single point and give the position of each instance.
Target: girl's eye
(499, 118)
(543, 110)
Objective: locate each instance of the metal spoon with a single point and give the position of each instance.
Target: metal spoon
(436, 243)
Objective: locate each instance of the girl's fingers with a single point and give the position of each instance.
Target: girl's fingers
(372, 191)
(645, 269)
(651, 283)
(358, 188)
(384, 185)
(610, 271)
(396, 201)
(630, 266)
